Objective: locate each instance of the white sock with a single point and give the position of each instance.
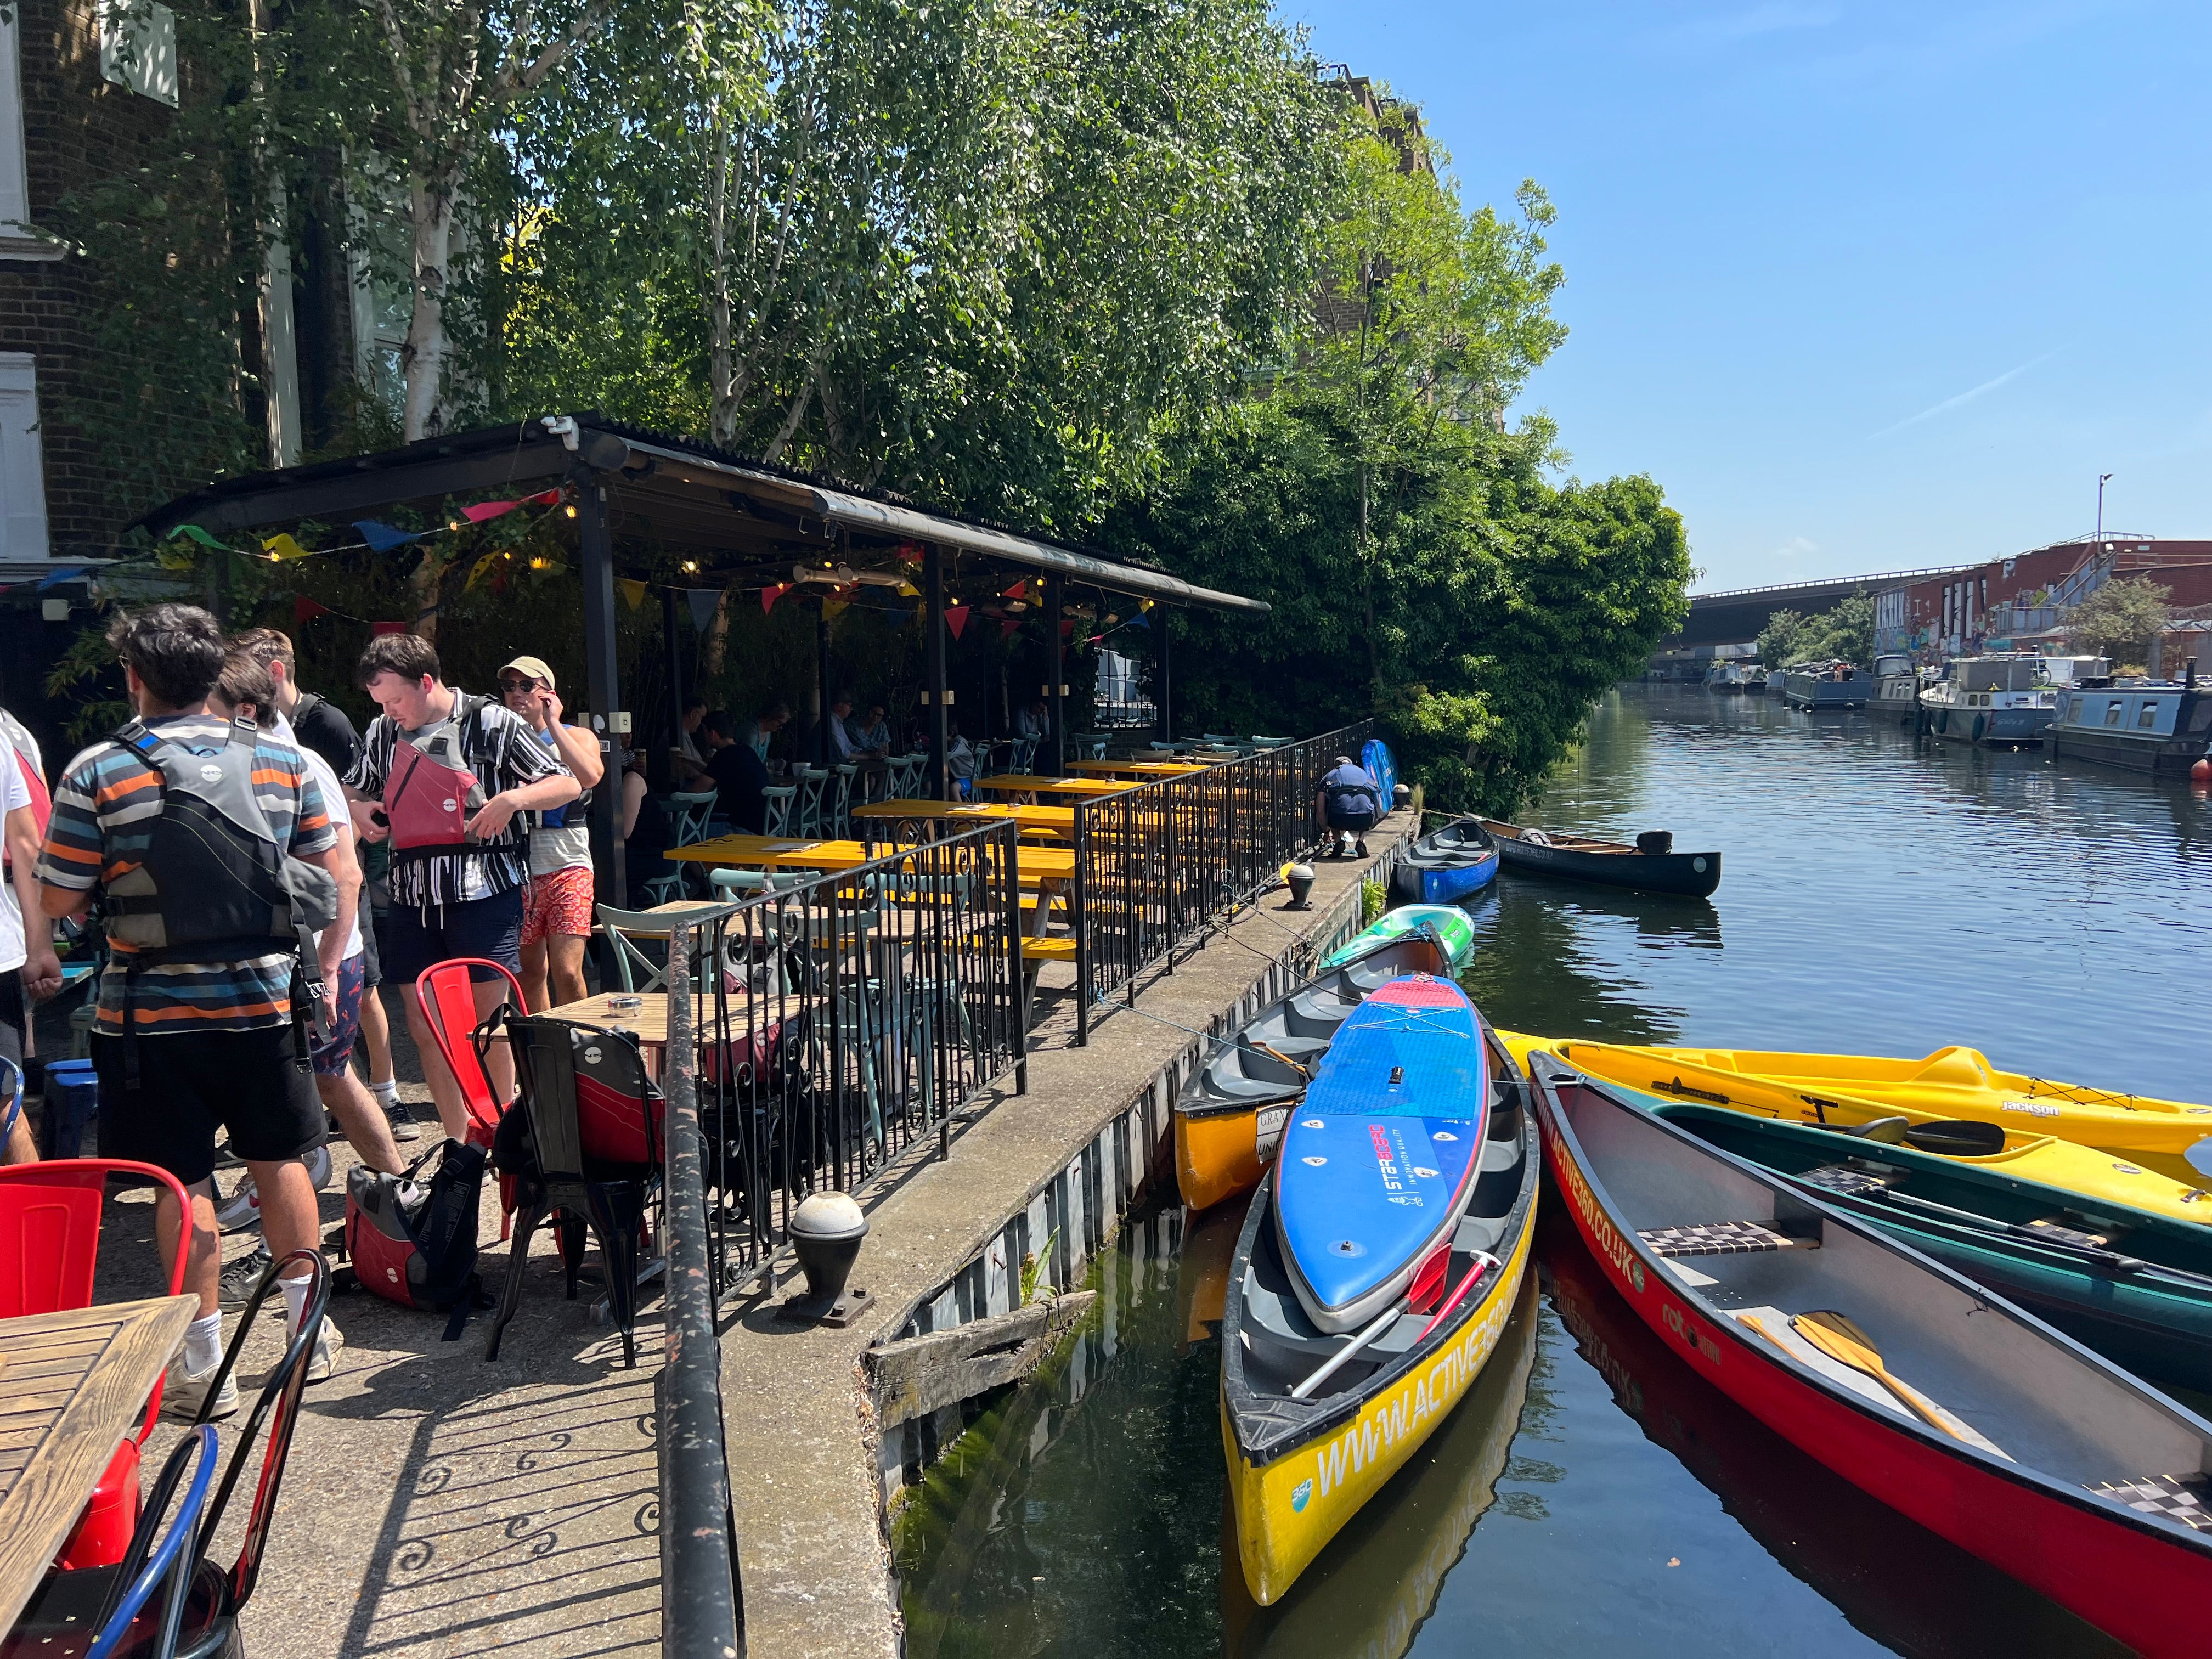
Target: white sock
(387, 1091)
(204, 1342)
(296, 1300)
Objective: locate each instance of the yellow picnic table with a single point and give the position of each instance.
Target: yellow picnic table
(1137, 769)
(1059, 820)
(1029, 783)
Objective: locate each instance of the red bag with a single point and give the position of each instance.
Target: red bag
(429, 795)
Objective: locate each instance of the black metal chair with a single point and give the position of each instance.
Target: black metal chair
(583, 1142)
(198, 1618)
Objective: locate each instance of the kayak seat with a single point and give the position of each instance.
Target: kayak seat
(2177, 1497)
(1849, 1181)
(1720, 1238)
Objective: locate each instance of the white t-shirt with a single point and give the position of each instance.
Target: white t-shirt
(14, 793)
(334, 797)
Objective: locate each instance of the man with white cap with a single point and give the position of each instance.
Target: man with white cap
(557, 910)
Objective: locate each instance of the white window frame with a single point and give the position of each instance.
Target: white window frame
(17, 240)
(22, 462)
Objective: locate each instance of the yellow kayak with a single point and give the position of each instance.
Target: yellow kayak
(2137, 1162)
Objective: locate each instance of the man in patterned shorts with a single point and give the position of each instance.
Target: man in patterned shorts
(556, 907)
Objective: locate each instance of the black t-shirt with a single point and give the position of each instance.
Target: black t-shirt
(739, 775)
(322, 726)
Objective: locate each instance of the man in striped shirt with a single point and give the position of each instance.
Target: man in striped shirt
(460, 894)
(218, 1035)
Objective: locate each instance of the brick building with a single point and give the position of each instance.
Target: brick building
(2019, 601)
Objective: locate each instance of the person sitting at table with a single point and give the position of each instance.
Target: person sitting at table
(959, 759)
(739, 775)
(644, 826)
(843, 749)
(1034, 721)
(754, 733)
(690, 765)
(872, 737)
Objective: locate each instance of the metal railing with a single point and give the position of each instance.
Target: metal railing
(817, 1030)
(1155, 865)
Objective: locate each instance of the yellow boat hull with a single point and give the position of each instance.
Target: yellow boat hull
(1217, 1154)
(2158, 1181)
(1285, 1511)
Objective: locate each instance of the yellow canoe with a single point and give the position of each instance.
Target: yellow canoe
(2137, 1162)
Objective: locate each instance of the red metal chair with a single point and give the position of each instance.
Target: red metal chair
(449, 1008)
(50, 1217)
(448, 993)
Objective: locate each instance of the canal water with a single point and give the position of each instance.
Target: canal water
(1880, 894)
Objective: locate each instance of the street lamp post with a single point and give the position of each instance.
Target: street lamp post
(2103, 478)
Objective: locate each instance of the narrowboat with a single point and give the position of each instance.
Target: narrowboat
(2000, 700)
(1451, 862)
(1375, 1273)
(1826, 685)
(1968, 1415)
(2161, 727)
(2136, 1286)
(1725, 677)
(1896, 688)
(1652, 866)
(1229, 1116)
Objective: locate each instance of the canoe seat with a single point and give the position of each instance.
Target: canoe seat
(1720, 1238)
(1851, 1182)
(2177, 1497)
(2057, 1232)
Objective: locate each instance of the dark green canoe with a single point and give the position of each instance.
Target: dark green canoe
(2134, 1286)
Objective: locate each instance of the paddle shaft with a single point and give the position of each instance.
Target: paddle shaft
(1483, 1262)
(2103, 1258)
(1861, 1357)
(1330, 1366)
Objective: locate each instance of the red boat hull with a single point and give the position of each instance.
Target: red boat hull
(2149, 1591)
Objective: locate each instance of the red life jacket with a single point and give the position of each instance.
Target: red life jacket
(430, 792)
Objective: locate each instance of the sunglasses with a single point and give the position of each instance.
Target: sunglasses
(507, 683)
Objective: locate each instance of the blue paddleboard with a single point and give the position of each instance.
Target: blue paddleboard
(1378, 1160)
(1381, 766)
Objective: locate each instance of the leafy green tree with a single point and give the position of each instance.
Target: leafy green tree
(1778, 640)
(1844, 632)
(2120, 620)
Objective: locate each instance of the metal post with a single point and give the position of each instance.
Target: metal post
(1166, 675)
(660, 765)
(938, 782)
(1058, 660)
(821, 743)
(700, 1614)
(603, 685)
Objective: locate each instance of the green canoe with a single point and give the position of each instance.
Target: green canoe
(1452, 926)
(2135, 1285)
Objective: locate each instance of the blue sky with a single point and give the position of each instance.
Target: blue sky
(1865, 287)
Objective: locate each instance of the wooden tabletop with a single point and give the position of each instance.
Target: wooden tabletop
(1035, 863)
(649, 1019)
(72, 1386)
(1058, 819)
(1026, 783)
(1138, 768)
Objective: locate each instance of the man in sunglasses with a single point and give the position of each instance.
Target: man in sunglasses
(556, 906)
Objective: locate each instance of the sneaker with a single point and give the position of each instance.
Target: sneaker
(319, 1167)
(183, 1391)
(1360, 851)
(329, 1341)
(401, 1117)
(241, 1277)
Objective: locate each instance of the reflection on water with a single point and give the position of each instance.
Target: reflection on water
(1879, 895)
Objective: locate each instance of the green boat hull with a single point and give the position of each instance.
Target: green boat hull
(1451, 924)
(2143, 1298)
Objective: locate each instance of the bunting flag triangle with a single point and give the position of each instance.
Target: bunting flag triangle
(306, 610)
(482, 568)
(771, 594)
(377, 630)
(484, 510)
(1019, 590)
(1066, 631)
(1008, 629)
(831, 609)
(281, 546)
(383, 537)
(192, 532)
(703, 602)
(956, 618)
(633, 591)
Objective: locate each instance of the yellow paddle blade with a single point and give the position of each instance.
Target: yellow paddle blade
(1837, 1336)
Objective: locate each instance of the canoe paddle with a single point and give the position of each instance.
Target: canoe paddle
(1835, 1335)
(1950, 1137)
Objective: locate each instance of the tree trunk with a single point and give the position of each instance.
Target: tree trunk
(718, 639)
(718, 291)
(430, 215)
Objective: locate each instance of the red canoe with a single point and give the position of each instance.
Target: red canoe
(2052, 1464)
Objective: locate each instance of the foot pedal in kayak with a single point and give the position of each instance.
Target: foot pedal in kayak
(1849, 1181)
(2177, 1497)
(1719, 1238)
(2059, 1233)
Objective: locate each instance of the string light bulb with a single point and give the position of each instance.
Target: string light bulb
(570, 510)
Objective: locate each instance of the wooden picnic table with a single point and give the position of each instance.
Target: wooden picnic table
(1138, 768)
(1059, 820)
(1027, 783)
(72, 1386)
(649, 1019)
(1034, 864)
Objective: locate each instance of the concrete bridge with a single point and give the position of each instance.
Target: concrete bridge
(1735, 615)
